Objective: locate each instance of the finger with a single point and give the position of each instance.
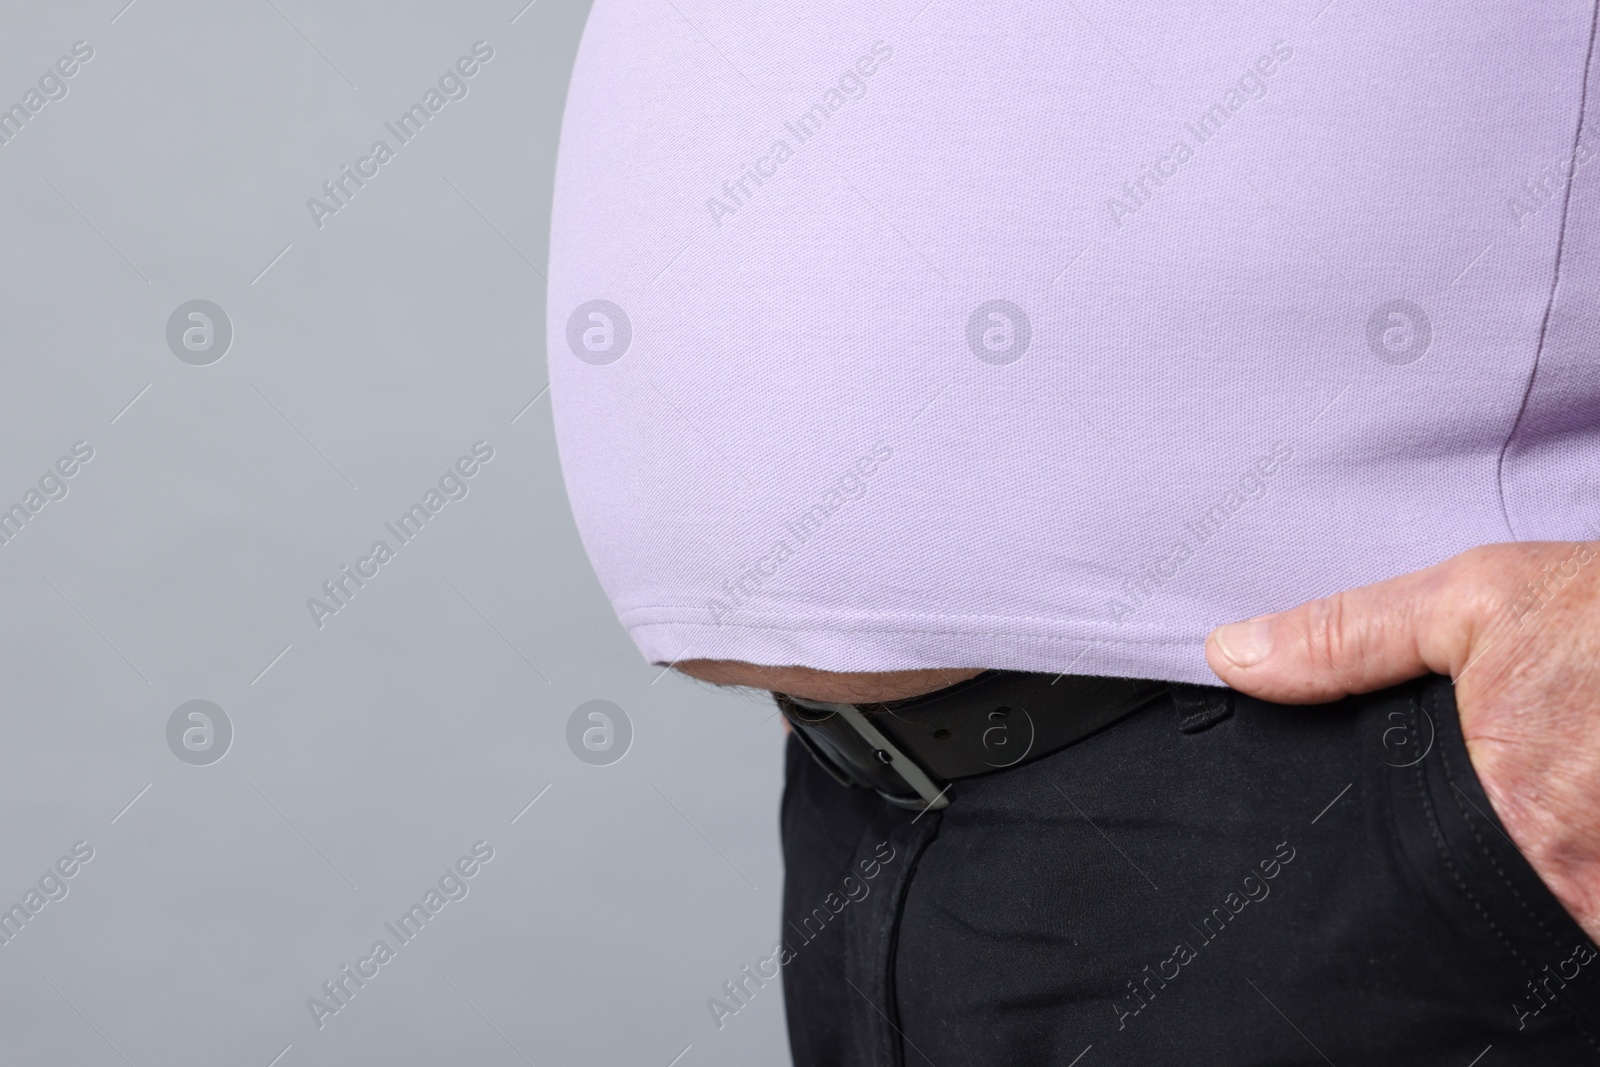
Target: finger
(1351, 642)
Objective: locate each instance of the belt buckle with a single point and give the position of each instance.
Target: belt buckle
(930, 796)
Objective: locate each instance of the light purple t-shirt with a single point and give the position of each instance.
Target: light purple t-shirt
(1049, 336)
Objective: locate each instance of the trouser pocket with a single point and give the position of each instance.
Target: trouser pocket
(1547, 970)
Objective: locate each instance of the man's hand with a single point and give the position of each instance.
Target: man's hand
(1517, 626)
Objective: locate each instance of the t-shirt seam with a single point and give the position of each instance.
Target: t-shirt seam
(1559, 261)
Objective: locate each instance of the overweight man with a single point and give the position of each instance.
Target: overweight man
(1152, 455)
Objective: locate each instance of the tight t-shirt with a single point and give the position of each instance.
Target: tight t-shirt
(1049, 336)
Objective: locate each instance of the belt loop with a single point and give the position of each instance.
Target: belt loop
(1200, 707)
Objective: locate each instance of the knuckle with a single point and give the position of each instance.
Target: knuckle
(1485, 579)
(1326, 632)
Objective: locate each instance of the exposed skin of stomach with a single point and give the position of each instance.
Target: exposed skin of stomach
(842, 687)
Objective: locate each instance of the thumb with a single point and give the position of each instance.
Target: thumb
(1351, 642)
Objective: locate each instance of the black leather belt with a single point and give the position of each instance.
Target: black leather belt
(910, 750)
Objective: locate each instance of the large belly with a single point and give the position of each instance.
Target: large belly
(1024, 337)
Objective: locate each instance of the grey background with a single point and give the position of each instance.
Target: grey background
(426, 714)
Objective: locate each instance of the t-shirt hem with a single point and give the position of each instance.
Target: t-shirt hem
(889, 643)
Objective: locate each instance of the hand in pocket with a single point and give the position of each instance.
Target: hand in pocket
(1517, 627)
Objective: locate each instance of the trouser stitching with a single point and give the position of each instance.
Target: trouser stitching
(1430, 696)
(890, 983)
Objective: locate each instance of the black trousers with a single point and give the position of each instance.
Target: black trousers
(1214, 880)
